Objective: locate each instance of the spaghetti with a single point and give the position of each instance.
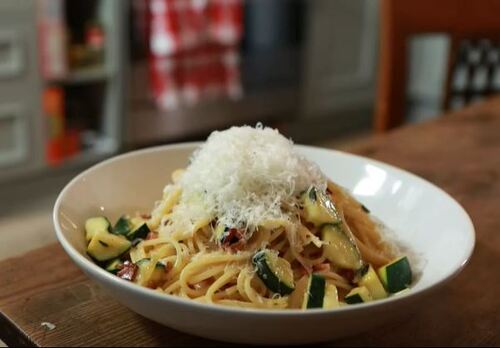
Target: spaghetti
(198, 248)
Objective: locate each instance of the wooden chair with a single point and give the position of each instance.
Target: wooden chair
(402, 19)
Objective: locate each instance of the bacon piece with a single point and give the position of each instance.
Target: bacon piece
(233, 240)
(128, 271)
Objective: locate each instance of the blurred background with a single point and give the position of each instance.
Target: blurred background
(81, 81)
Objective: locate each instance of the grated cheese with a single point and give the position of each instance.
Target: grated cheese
(246, 175)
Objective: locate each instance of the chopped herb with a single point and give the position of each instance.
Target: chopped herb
(365, 209)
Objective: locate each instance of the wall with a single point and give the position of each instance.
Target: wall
(341, 62)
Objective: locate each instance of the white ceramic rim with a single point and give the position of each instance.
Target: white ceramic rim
(86, 264)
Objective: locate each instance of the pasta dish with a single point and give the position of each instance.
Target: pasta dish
(252, 223)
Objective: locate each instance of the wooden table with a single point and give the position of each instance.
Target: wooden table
(459, 152)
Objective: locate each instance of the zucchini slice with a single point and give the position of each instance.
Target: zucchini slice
(358, 295)
(114, 266)
(331, 299)
(131, 228)
(315, 292)
(140, 232)
(275, 272)
(320, 293)
(340, 247)
(105, 246)
(123, 226)
(148, 274)
(370, 280)
(396, 275)
(137, 222)
(319, 208)
(96, 224)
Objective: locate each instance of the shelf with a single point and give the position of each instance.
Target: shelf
(82, 76)
(93, 94)
(104, 147)
(78, 162)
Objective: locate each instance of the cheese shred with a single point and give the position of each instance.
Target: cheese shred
(246, 176)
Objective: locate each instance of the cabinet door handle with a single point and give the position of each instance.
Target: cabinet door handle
(11, 54)
(14, 138)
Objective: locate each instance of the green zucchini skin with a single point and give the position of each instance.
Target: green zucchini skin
(354, 299)
(139, 233)
(397, 275)
(315, 292)
(123, 226)
(268, 276)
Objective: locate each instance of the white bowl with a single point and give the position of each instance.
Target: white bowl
(424, 217)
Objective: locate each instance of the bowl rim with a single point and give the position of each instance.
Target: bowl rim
(90, 267)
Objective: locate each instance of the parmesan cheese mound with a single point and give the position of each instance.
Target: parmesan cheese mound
(245, 176)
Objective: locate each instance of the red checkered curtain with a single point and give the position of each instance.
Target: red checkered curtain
(193, 50)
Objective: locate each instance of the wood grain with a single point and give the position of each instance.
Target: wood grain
(460, 153)
(45, 286)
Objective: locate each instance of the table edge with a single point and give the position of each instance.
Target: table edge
(12, 335)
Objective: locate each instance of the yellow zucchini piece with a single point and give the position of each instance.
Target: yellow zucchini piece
(96, 224)
(340, 248)
(137, 253)
(150, 273)
(358, 295)
(106, 246)
(331, 299)
(370, 280)
(318, 208)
